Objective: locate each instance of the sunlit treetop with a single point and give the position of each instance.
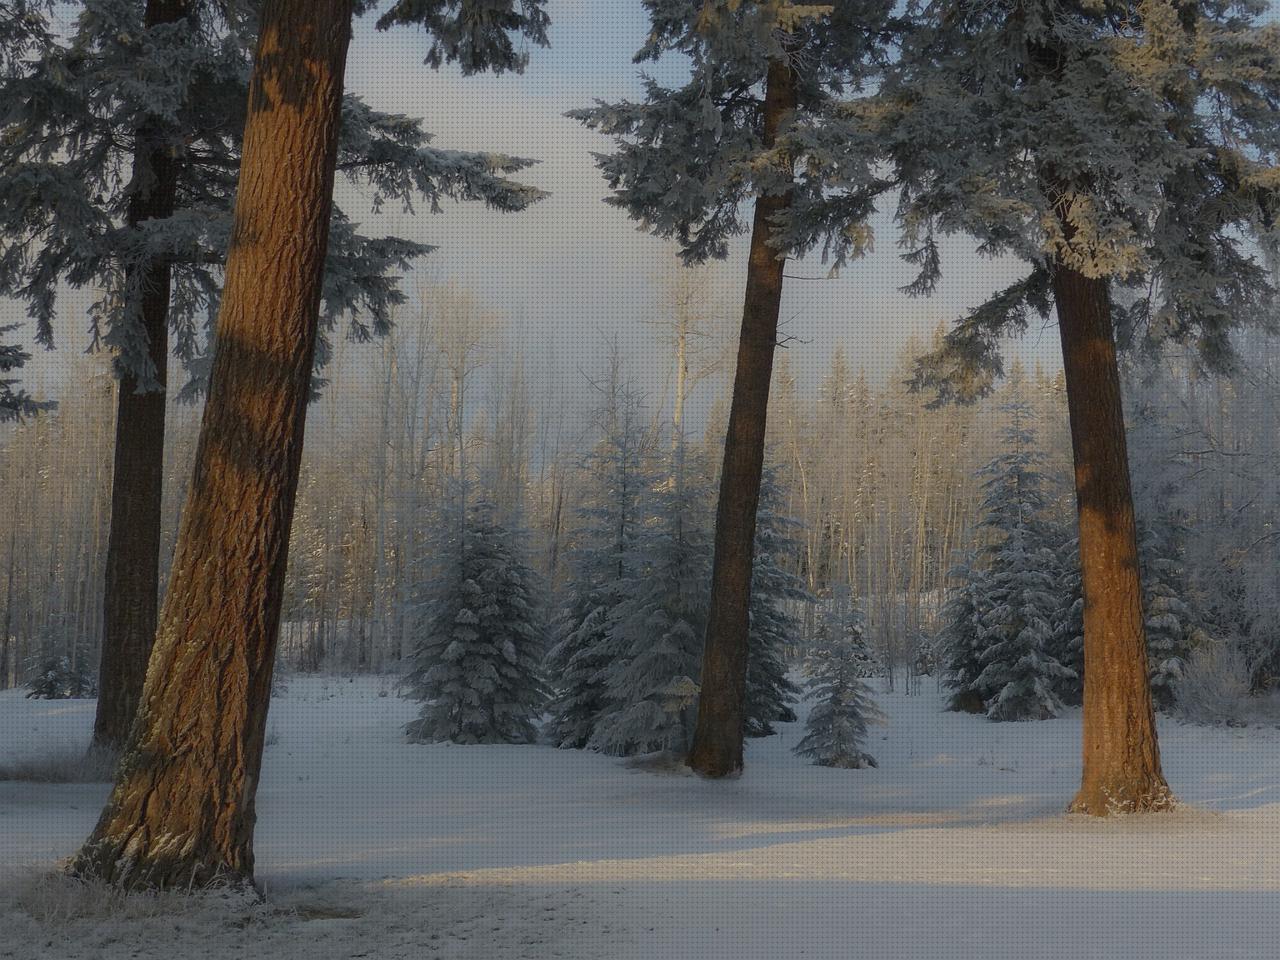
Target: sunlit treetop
(1132, 141)
(689, 157)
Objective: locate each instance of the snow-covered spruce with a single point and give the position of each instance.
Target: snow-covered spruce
(1172, 626)
(60, 679)
(476, 668)
(655, 637)
(688, 159)
(960, 639)
(770, 693)
(601, 558)
(843, 709)
(1000, 643)
(1017, 629)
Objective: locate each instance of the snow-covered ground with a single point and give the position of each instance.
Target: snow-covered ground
(955, 847)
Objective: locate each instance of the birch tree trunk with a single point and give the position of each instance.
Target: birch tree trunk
(182, 810)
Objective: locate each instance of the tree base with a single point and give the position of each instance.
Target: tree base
(100, 762)
(106, 863)
(714, 764)
(1099, 800)
(967, 702)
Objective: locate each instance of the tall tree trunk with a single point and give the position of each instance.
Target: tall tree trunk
(182, 811)
(1121, 754)
(718, 735)
(132, 580)
(6, 638)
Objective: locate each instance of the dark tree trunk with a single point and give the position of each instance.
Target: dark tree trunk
(132, 584)
(1121, 753)
(182, 810)
(6, 638)
(721, 724)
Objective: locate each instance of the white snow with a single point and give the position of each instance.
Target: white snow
(956, 846)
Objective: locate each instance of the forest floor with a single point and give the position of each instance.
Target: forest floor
(956, 846)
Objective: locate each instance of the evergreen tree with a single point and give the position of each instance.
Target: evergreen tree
(1019, 674)
(961, 637)
(1067, 644)
(688, 160)
(773, 627)
(601, 559)
(60, 679)
(477, 665)
(196, 738)
(24, 31)
(1108, 144)
(654, 649)
(119, 149)
(843, 709)
(999, 636)
(1172, 629)
(1020, 599)
(15, 402)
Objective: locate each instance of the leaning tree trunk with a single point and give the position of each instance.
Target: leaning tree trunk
(1121, 754)
(182, 811)
(132, 582)
(718, 734)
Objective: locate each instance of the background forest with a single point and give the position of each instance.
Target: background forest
(885, 492)
(632, 510)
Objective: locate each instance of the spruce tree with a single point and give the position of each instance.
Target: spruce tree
(1110, 145)
(60, 679)
(687, 161)
(15, 402)
(1067, 645)
(202, 719)
(119, 149)
(1019, 674)
(1172, 627)
(843, 709)
(1000, 632)
(24, 32)
(476, 667)
(774, 627)
(961, 637)
(601, 561)
(653, 655)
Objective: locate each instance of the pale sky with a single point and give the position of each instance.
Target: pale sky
(571, 273)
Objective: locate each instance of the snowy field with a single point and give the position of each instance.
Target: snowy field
(956, 846)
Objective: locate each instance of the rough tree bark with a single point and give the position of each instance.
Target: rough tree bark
(132, 582)
(182, 810)
(1121, 754)
(718, 734)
